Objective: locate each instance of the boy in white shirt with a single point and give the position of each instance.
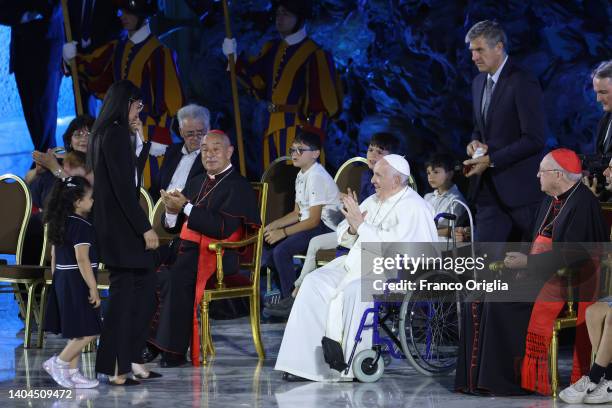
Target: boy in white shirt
(316, 212)
(440, 177)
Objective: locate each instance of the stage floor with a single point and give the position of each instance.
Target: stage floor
(235, 379)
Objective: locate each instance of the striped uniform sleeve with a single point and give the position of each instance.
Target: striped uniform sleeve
(162, 83)
(324, 89)
(253, 73)
(96, 69)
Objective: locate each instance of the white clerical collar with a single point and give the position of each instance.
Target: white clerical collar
(296, 37)
(185, 152)
(497, 73)
(141, 34)
(212, 176)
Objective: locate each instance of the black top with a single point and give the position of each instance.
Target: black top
(602, 128)
(577, 219)
(78, 232)
(119, 220)
(41, 187)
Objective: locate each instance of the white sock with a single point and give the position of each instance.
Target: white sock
(73, 371)
(60, 362)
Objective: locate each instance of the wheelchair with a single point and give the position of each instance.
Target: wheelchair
(421, 327)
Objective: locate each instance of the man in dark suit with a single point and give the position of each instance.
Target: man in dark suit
(506, 150)
(509, 132)
(182, 160)
(35, 58)
(91, 32)
(602, 85)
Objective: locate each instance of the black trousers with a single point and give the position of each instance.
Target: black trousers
(131, 304)
(38, 82)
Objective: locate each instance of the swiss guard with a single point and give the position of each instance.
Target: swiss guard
(295, 76)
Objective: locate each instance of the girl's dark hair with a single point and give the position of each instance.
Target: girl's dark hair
(60, 205)
(80, 122)
(115, 110)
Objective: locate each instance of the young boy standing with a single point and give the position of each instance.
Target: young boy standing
(440, 177)
(316, 212)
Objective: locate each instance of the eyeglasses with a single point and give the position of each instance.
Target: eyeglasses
(540, 171)
(139, 104)
(81, 134)
(300, 150)
(194, 133)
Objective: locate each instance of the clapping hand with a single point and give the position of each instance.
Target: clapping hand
(515, 260)
(173, 200)
(351, 211)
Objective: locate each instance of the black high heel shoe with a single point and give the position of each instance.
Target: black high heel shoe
(128, 382)
(152, 374)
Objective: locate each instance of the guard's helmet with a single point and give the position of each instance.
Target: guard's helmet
(141, 8)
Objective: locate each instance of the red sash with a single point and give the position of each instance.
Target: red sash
(207, 266)
(534, 370)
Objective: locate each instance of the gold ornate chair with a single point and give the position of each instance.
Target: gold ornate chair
(21, 280)
(156, 222)
(223, 291)
(146, 202)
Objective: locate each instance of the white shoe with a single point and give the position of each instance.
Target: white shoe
(601, 394)
(48, 365)
(80, 381)
(60, 373)
(575, 393)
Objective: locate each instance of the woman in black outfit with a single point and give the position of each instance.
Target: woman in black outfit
(124, 235)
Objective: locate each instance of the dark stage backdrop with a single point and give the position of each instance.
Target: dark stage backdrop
(405, 66)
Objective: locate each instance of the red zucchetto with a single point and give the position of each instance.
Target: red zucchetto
(568, 160)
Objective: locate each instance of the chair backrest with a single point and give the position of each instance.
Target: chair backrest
(261, 192)
(146, 202)
(350, 173)
(45, 256)
(280, 177)
(15, 212)
(156, 223)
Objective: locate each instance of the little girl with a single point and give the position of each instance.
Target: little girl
(73, 304)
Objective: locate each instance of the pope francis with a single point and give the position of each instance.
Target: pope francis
(328, 306)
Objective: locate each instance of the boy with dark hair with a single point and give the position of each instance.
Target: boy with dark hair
(316, 212)
(440, 172)
(381, 144)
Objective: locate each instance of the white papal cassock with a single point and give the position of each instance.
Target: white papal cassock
(329, 301)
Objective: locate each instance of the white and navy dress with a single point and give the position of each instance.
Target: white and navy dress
(68, 309)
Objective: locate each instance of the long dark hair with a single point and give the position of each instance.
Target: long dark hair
(115, 110)
(60, 205)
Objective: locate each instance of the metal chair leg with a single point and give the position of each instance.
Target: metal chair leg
(29, 315)
(255, 327)
(554, 372)
(43, 309)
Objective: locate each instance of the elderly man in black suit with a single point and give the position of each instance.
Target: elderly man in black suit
(509, 136)
(182, 160)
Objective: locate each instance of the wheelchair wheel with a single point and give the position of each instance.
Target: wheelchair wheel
(364, 369)
(429, 326)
